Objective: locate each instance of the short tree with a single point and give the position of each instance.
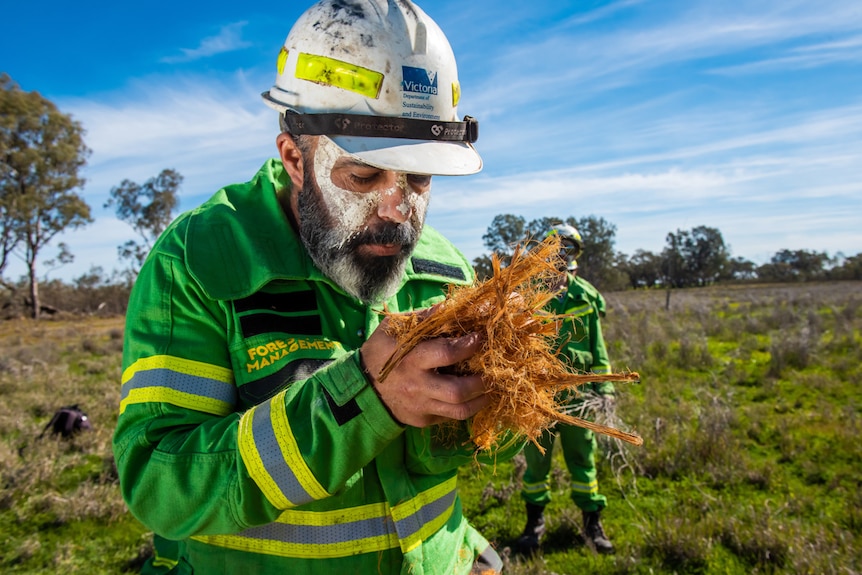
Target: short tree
(148, 208)
(695, 257)
(41, 153)
(643, 269)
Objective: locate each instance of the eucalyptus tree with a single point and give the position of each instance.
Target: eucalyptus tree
(148, 208)
(42, 152)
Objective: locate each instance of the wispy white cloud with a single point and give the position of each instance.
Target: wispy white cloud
(228, 39)
(847, 51)
(203, 127)
(749, 182)
(601, 13)
(565, 60)
(621, 120)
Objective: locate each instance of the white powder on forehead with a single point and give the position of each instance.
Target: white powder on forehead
(354, 209)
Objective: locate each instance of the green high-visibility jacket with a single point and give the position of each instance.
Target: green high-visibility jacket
(579, 340)
(581, 346)
(247, 429)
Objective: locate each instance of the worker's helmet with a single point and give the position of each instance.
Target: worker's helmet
(379, 78)
(571, 243)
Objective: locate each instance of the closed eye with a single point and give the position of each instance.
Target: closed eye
(363, 180)
(419, 181)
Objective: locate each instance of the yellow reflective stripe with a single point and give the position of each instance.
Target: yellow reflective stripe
(332, 72)
(364, 529)
(430, 509)
(591, 487)
(290, 449)
(178, 398)
(301, 550)
(164, 562)
(429, 528)
(273, 458)
(254, 464)
(580, 310)
(282, 60)
(336, 516)
(412, 506)
(456, 93)
(601, 370)
(181, 382)
(537, 487)
(179, 365)
(298, 534)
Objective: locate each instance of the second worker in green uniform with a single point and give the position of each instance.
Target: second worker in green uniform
(582, 347)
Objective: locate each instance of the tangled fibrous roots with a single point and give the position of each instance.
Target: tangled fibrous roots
(522, 373)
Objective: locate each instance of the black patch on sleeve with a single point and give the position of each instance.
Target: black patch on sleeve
(258, 391)
(421, 266)
(280, 302)
(343, 413)
(258, 323)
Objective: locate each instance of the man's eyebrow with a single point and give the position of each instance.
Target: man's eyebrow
(347, 161)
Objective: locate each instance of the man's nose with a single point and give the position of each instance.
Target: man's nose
(394, 205)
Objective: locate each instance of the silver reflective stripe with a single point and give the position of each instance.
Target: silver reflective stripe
(193, 385)
(273, 460)
(591, 487)
(323, 534)
(340, 533)
(537, 487)
(426, 514)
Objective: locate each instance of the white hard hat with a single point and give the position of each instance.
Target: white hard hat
(571, 243)
(379, 78)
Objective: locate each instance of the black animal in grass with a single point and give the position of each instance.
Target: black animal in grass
(67, 421)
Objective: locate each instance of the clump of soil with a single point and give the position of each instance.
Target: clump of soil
(521, 370)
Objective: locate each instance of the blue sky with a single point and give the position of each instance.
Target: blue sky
(655, 115)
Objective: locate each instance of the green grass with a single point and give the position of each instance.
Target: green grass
(749, 407)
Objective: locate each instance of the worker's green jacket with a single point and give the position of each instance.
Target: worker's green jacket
(580, 341)
(247, 428)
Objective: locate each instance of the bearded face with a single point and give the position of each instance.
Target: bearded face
(343, 222)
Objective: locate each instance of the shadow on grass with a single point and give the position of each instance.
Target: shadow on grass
(557, 540)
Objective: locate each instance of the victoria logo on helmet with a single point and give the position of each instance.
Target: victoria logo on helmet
(419, 80)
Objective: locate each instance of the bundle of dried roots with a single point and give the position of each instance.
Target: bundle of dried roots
(518, 362)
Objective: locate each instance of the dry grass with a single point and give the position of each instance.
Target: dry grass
(521, 369)
(47, 484)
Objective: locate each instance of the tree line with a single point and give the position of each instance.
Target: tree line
(42, 154)
(690, 258)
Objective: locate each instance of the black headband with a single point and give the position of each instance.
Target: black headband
(382, 127)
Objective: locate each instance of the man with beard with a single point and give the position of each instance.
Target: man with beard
(254, 434)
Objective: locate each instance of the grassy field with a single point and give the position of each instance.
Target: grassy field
(749, 407)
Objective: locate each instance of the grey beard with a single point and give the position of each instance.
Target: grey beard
(370, 279)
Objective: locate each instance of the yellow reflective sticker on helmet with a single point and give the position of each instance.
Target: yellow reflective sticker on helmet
(456, 93)
(332, 72)
(282, 60)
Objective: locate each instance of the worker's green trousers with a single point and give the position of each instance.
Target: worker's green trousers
(579, 451)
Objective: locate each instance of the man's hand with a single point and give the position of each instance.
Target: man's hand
(414, 391)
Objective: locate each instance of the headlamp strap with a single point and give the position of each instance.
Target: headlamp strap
(382, 127)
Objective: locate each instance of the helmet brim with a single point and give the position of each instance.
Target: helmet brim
(413, 156)
(403, 155)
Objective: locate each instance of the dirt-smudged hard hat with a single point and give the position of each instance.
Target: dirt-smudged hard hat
(380, 79)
